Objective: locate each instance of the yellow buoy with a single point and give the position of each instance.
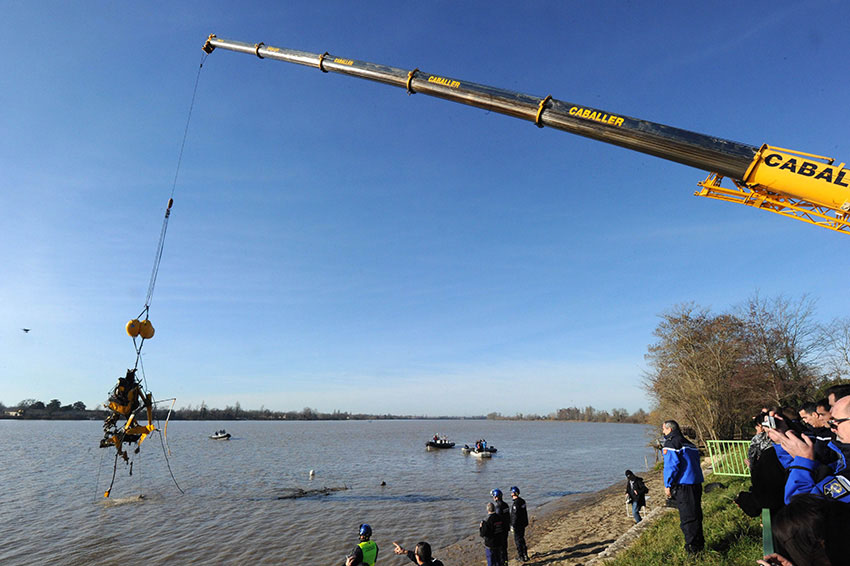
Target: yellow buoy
(146, 329)
(133, 327)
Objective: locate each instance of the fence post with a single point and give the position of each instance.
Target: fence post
(766, 532)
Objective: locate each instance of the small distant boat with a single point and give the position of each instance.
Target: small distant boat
(478, 450)
(220, 435)
(438, 443)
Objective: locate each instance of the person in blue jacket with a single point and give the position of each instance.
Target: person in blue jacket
(815, 467)
(683, 483)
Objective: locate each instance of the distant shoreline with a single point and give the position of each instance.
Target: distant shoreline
(219, 415)
(99, 415)
(158, 415)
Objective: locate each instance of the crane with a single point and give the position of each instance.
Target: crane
(795, 184)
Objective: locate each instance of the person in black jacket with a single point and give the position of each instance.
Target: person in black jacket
(505, 511)
(493, 530)
(519, 520)
(421, 556)
(636, 491)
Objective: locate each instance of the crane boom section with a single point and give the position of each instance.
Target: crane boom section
(802, 186)
(704, 152)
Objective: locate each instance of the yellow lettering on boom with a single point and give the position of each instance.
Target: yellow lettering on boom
(443, 81)
(343, 61)
(819, 171)
(595, 116)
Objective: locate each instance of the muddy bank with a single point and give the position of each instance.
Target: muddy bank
(571, 531)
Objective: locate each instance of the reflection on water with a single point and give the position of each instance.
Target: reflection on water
(54, 475)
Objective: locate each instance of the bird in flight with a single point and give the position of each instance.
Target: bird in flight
(26, 330)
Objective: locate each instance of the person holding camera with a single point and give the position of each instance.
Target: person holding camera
(758, 443)
(818, 467)
(683, 484)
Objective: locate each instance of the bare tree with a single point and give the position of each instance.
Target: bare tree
(696, 366)
(837, 348)
(784, 344)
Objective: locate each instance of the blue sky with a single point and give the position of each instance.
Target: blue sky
(338, 244)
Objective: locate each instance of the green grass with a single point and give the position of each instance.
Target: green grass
(731, 538)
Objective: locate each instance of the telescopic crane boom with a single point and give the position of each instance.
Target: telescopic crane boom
(799, 185)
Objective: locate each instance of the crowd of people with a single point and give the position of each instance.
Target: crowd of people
(799, 466)
(501, 520)
(798, 463)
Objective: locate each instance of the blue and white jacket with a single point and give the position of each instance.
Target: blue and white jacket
(830, 479)
(681, 461)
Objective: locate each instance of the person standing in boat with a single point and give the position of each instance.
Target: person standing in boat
(519, 520)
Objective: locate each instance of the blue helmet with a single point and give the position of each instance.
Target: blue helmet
(515, 489)
(365, 530)
(496, 492)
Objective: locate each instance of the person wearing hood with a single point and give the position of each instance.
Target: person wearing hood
(636, 492)
(683, 483)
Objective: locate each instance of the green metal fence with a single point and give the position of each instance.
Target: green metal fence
(728, 457)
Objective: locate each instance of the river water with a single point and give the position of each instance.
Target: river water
(53, 475)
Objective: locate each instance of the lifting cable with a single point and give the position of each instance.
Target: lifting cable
(161, 243)
(143, 316)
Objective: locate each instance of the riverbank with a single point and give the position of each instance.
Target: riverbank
(571, 531)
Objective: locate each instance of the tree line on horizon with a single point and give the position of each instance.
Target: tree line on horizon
(587, 414)
(34, 409)
(715, 371)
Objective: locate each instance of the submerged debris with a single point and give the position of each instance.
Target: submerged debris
(295, 493)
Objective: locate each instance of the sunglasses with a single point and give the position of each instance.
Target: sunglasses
(833, 423)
